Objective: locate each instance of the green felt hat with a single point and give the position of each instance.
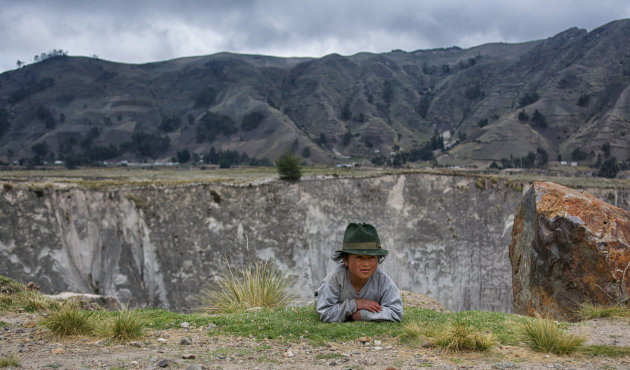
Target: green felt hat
(362, 239)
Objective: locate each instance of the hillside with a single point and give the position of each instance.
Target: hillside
(566, 95)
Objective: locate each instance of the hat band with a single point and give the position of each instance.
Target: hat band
(367, 245)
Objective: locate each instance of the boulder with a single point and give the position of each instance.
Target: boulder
(567, 248)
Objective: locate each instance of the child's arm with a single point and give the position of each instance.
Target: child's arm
(328, 307)
(391, 305)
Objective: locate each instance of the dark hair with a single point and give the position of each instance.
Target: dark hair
(338, 256)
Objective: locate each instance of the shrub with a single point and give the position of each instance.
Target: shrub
(69, 320)
(125, 326)
(289, 167)
(260, 285)
(546, 336)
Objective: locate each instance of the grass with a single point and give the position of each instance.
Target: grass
(460, 332)
(259, 285)
(7, 361)
(69, 320)
(544, 335)
(16, 297)
(588, 310)
(124, 326)
(605, 351)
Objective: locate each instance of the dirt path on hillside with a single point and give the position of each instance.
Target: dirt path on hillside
(196, 348)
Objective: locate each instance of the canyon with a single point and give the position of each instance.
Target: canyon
(157, 244)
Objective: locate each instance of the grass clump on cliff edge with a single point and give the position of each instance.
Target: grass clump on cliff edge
(589, 310)
(258, 285)
(18, 297)
(544, 335)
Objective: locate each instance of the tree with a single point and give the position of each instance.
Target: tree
(306, 152)
(522, 116)
(289, 167)
(606, 149)
(609, 168)
(539, 119)
(183, 156)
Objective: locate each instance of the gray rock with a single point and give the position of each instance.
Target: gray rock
(186, 341)
(162, 363)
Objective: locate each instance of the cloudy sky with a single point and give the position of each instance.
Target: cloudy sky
(136, 31)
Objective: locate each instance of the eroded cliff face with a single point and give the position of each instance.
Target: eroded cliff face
(448, 236)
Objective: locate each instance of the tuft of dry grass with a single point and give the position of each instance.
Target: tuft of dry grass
(125, 326)
(10, 360)
(259, 285)
(454, 335)
(69, 320)
(457, 336)
(544, 335)
(589, 310)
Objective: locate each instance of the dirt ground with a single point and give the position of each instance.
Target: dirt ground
(196, 348)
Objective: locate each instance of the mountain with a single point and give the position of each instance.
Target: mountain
(566, 95)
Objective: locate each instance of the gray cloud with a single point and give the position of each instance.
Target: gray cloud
(142, 31)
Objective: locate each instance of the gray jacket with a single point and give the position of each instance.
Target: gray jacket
(337, 298)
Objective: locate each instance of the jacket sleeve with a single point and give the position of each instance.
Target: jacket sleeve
(391, 303)
(328, 306)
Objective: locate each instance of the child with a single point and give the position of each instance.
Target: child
(357, 289)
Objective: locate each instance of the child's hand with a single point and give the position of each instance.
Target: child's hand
(368, 304)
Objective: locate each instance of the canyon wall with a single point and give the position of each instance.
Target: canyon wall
(448, 236)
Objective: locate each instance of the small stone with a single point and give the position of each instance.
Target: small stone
(134, 363)
(289, 353)
(195, 367)
(189, 356)
(58, 351)
(135, 344)
(364, 339)
(163, 363)
(161, 340)
(210, 326)
(184, 324)
(332, 363)
(377, 342)
(377, 348)
(186, 341)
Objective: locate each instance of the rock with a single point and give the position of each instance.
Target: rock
(93, 302)
(162, 363)
(210, 326)
(189, 356)
(162, 340)
(135, 344)
(58, 351)
(364, 339)
(568, 247)
(186, 341)
(195, 367)
(377, 342)
(185, 325)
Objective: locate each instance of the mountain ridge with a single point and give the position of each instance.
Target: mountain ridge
(572, 88)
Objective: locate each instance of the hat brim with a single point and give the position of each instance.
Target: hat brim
(365, 252)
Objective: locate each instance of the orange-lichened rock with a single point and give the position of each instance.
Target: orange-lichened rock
(567, 248)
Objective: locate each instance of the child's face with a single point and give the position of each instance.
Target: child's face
(362, 267)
